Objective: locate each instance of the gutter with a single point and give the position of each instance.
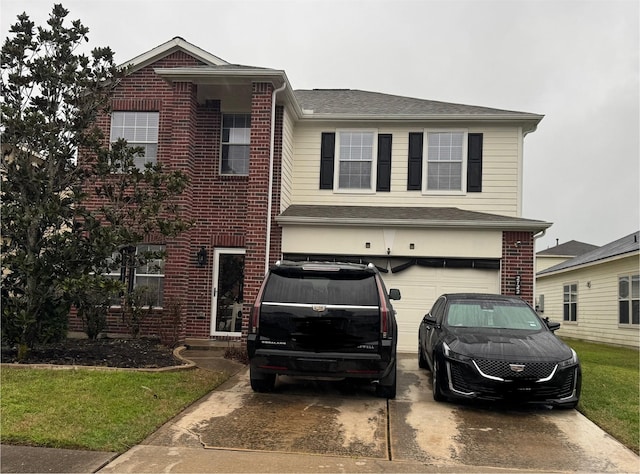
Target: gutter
(271, 152)
(423, 223)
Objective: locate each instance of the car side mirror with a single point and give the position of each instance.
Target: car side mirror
(394, 294)
(429, 319)
(552, 326)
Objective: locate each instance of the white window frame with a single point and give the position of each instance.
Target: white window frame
(630, 297)
(138, 133)
(374, 162)
(159, 263)
(463, 162)
(234, 141)
(571, 301)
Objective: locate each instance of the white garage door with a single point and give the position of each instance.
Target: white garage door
(421, 286)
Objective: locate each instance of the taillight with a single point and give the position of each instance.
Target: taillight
(384, 310)
(254, 318)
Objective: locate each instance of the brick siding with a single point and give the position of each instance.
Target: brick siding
(518, 261)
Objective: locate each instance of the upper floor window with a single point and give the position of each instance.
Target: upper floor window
(356, 160)
(446, 155)
(570, 302)
(629, 299)
(445, 161)
(140, 129)
(236, 138)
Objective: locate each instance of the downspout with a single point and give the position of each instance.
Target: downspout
(542, 233)
(270, 196)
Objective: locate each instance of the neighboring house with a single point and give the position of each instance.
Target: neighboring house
(431, 192)
(561, 253)
(596, 296)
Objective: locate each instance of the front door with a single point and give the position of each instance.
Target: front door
(228, 285)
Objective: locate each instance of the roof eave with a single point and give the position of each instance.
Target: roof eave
(529, 122)
(580, 266)
(422, 223)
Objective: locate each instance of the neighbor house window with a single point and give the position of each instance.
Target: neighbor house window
(140, 268)
(236, 138)
(445, 159)
(629, 299)
(140, 129)
(570, 302)
(355, 160)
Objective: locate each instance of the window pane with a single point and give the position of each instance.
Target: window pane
(355, 175)
(565, 312)
(236, 138)
(140, 129)
(635, 312)
(635, 286)
(355, 160)
(624, 312)
(623, 287)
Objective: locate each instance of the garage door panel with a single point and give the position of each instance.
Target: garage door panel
(420, 286)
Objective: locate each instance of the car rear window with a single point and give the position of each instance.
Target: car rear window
(317, 288)
(492, 314)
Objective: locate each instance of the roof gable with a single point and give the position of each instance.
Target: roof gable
(171, 46)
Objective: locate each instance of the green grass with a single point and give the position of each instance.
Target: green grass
(91, 409)
(610, 389)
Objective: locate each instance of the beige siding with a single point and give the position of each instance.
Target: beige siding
(543, 261)
(597, 302)
(287, 159)
(501, 172)
(397, 242)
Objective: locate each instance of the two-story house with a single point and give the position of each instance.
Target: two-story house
(430, 192)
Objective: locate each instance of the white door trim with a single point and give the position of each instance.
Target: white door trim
(217, 252)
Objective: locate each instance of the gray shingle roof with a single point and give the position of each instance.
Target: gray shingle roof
(404, 216)
(349, 101)
(573, 248)
(627, 244)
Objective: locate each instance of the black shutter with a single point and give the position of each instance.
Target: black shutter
(474, 163)
(327, 152)
(414, 177)
(384, 163)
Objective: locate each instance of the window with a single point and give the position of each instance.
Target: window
(445, 157)
(140, 129)
(139, 267)
(236, 138)
(453, 161)
(570, 302)
(629, 299)
(355, 160)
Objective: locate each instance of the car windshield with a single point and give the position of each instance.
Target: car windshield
(492, 314)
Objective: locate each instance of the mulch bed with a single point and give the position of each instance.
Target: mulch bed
(124, 353)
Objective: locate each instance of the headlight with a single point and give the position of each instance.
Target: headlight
(454, 355)
(573, 360)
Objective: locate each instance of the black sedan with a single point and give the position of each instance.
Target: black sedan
(494, 347)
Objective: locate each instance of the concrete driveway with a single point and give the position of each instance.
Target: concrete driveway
(329, 427)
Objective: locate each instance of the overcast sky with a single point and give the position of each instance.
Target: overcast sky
(575, 62)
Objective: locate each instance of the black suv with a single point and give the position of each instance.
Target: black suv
(323, 319)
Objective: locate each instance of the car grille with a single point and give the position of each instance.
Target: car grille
(502, 369)
(466, 379)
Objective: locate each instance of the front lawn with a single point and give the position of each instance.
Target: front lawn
(610, 389)
(93, 409)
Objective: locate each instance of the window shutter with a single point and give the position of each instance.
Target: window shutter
(384, 163)
(414, 177)
(474, 163)
(327, 152)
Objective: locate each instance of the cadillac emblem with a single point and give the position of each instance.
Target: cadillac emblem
(517, 367)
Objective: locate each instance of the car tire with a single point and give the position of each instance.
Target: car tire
(438, 395)
(261, 382)
(386, 388)
(422, 362)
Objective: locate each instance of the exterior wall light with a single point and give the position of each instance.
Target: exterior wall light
(202, 257)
